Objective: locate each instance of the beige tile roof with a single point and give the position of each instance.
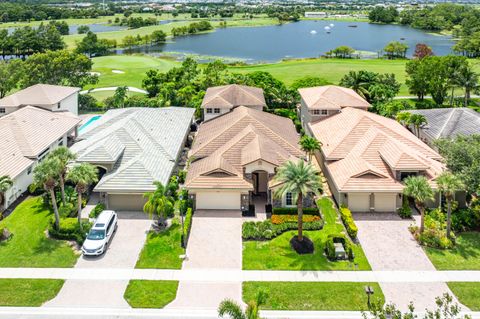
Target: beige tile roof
(228, 96)
(362, 149)
(331, 97)
(26, 133)
(224, 145)
(38, 95)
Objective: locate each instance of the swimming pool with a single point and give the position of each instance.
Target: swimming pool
(90, 121)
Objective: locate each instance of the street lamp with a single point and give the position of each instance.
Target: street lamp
(181, 218)
(369, 292)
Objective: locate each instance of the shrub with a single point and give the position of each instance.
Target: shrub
(330, 246)
(181, 176)
(69, 230)
(266, 230)
(67, 210)
(434, 234)
(347, 219)
(97, 210)
(5, 234)
(187, 225)
(280, 219)
(466, 219)
(293, 211)
(405, 211)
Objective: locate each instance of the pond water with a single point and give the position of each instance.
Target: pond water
(298, 40)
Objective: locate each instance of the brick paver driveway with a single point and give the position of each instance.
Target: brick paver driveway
(388, 245)
(216, 243)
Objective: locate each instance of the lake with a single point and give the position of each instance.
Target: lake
(301, 39)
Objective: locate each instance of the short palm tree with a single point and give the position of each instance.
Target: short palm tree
(64, 155)
(420, 190)
(82, 175)
(5, 183)
(417, 120)
(357, 81)
(310, 145)
(159, 202)
(300, 179)
(234, 311)
(449, 183)
(404, 118)
(47, 174)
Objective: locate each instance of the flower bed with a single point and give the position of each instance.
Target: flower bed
(293, 211)
(280, 219)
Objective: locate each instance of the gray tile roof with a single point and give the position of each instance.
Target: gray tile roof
(450, 122)
(144, 144)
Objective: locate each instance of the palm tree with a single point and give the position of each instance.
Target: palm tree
(299, 179)
(404, 118)
(468, 80)
(421, 191)
(64, 155)
(159, 202)
(47, 174)
(359, 82)
(418, 120)
(120, 95)
(449, 183)
(5, 183)
(310, 145)
(83, 175)
(234, 311)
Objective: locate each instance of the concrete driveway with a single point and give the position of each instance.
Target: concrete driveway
(388, 245)
(123, 252)
(216, 243)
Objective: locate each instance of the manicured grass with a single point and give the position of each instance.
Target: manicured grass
(313, 295)
(162, 250)
(467, 293)
(30, 246)
(277, 254)
(28, 292)
(150, 293)
(464, 256)
(134, 66)
(102, 95)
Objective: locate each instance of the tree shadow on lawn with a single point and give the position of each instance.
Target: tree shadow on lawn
(467, 247)
(47, 245)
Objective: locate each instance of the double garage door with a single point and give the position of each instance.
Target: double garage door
(218, 200)
(383, 202)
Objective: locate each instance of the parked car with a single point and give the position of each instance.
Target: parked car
(101, 234)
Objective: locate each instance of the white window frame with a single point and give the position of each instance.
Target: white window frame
(3, 110)
(209, 111)
(216, 110)
(287, 196)
(323, 112)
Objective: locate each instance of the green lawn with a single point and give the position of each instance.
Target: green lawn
(467, 293)
(277, 254)
(464, 256)
(150, 293)
(162, 250)
(28, 292)
(313, 295)
(29, 246)
(102, 95)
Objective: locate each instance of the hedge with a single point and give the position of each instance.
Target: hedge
(293, 211)
(187, 226)
(69, 230)
(97, 210)
(266, 230)
(280, 219)
(347, 220)
(330, 246)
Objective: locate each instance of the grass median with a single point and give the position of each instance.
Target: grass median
(28, 292)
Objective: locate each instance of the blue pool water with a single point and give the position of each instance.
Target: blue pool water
(90, 121)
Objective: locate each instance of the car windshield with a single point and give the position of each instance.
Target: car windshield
(96, 234)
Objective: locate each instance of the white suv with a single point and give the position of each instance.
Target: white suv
(101, 233)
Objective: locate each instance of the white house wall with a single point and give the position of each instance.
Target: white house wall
(70, 104)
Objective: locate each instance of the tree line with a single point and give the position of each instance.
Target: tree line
(192, 28)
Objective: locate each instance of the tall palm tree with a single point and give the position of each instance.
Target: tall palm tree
(159, 202)
(404, 118)
(234, 311)
(5, 183)
(299, 179)
(449, 183)
(467, 78)
(420, 190)
(82, 175)
(418, 120)
(310, 145)
(64, 155)
(47, 174)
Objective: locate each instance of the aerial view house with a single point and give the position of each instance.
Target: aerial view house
(50, 97)
(448, 123)
(134, 147)
(235, 156)
(27, 136)
(366, 156)
(221, 99)
(319, 102)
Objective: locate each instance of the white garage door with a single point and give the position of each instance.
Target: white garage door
(359, 202)
(385, 202)
(218, 200)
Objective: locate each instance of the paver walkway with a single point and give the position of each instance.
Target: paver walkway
(122, 253)
(388, 245)
(215, 243)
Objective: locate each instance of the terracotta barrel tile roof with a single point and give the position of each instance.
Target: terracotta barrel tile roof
(331, 97)
(38, 94)
(233, 95)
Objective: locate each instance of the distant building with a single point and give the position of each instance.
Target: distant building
(319, 14)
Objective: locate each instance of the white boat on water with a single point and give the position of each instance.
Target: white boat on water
(313, 32)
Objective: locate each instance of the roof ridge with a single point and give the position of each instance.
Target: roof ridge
(149, 137)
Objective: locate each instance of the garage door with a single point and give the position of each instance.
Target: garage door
(126, 202)
(218, 200)
(385, 202)
(359, 202)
